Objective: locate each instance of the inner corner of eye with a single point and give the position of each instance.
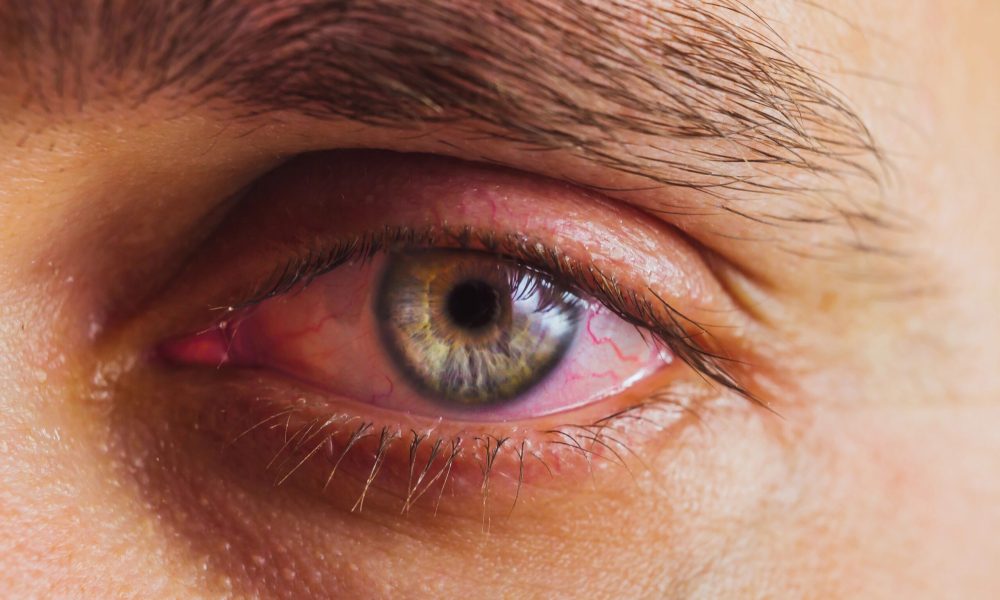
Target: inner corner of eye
(440, 333)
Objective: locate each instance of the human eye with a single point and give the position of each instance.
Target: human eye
(462, 334)
(422, 328)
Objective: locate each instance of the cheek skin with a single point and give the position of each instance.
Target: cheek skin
(257, 535)
(748, 504)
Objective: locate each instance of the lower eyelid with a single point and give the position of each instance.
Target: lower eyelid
(315, 444)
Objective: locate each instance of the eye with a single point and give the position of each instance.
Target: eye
(441, 333)
(386, 321)
(474, 331)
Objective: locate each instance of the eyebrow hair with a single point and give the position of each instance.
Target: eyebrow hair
(546, 75)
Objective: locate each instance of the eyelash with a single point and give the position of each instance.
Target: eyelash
(587, 441)
(549, 263)
(595, 439)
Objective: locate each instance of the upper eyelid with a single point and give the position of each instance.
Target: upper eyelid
(299, 219)
(300, 270)
(667, 323)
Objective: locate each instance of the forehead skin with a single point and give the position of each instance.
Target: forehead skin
(887, 488)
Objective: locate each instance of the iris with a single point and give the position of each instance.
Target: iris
(472, 329)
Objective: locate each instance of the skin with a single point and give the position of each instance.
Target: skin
(877, 480)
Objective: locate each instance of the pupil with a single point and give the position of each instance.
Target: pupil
(473, 304)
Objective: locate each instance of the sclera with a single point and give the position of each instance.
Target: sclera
(326, 335)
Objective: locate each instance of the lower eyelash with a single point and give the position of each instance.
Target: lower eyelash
(436, 467)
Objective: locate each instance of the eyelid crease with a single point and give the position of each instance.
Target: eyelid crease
(646, 310)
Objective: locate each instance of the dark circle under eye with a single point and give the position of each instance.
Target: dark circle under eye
(472, 329)
(473, 304)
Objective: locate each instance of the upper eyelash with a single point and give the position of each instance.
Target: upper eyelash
(666, 324)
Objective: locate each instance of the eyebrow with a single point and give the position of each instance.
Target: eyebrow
(698, 95)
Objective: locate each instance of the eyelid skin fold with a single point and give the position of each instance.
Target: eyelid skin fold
(322, 212)
(652, 275)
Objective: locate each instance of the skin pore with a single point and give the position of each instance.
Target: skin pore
(830, 166)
